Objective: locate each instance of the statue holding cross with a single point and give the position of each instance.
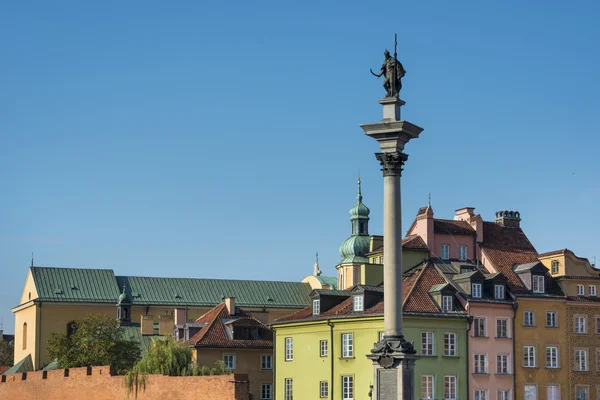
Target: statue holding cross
(393, 71)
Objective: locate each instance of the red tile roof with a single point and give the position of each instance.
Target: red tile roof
(452, 227)
(411, 242)
(214, 334)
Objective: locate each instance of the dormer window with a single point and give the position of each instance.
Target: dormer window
(554, 267)
(316, 307)
(445, 253)
(499, 292)
(580, 290)
(358, 303)
(476, 290)
(447, 303)
(538, 284)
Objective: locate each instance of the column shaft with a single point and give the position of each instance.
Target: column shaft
(392, 262)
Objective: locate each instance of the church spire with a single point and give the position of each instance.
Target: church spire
(316, 269)
(357, 245)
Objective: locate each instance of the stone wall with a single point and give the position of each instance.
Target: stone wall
(96, 383)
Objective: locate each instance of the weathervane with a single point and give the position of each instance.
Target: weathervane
(393, 71)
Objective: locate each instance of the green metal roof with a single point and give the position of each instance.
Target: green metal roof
(328, 280)
(134, 332)
(75, 284)
(25, 365)
(210, 292)
(52, 366)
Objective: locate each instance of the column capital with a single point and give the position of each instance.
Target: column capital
(392, 162)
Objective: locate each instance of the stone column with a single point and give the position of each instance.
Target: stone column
(393, 357)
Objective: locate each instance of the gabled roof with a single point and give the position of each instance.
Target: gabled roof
(452, 227)
(75, 284)
(25, 365)
(214, 333)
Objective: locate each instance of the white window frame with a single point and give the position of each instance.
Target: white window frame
(554, 267)
(347, 345)
(580, 324)
(502, 364)
(592, 290)
(581, 396)
(552, 392)
(528, 321)
(532, 394)
(450, 387)
(427, 340)
(480, 327)
(289, 389)
(289, 349)
(538, 284)
(476, 290)
(358, 303)
(450, 348)
(552, 355)
(580, 290)
(503, 394)
(324, 389)
(581, 360)
(498, 327)
(445, 248)
(553, 319)
(316, 310)
(229, 356)
(266, 362)
(481, 394)
(323, 348)
(266, 391)
(463, 254)
(447, 303)
(529, 357)
(347, 387)
(427, 386)
(499, 292)
(480, 364)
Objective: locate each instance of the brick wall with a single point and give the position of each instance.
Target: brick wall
(96, 383)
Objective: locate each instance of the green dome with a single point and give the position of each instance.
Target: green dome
(356, 246)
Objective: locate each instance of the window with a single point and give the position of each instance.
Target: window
(289, 389)
(450, 387)
(324, 348)
(229, 360)
(347, 387)
(551, 320)
(450, 344)
(289, 349)
(381, 336)
(502, 364)
(462, 253)
(479, 327)
(502, 327)
(24, 335)
(324, 389)
(427, 387)
(592, 290)
(580, 290)
(503, 394)
(382, 259)
(266, 391)
(427, 343)
(551, 357)
(582, 393)
(529, 356)
(447, 303)
(266, 362)
(581, 360)
(316, 307)
(538, 283)
(480, 366)
(499, 292)
(554, 267)
(358, 303)
(445, 254)
(481, 395)
(476, 290)
(553, 393)
(347, 345)
(528, 318)
(156, 327)
(580, 324)
(530, 392)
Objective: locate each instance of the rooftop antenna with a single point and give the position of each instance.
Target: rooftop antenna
(32, 259)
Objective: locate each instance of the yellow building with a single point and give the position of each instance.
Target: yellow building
(580, 282)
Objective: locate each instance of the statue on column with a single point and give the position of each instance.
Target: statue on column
(393, 71)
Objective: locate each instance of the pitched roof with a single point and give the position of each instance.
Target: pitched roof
(452, 227)
(328, 280)
(4, 368)
(102, 286)
(411, 242)
(214, 333)
(25, 365)
(525, 267)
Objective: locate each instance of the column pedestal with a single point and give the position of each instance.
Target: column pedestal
(394, 369)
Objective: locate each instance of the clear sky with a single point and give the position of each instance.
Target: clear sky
(222, 139)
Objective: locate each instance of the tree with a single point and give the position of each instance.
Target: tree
(97, 339)
(168, 357)
(7, 351)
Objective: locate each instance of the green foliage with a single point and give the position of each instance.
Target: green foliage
(168, 357)
(97, 340)
(7, 351)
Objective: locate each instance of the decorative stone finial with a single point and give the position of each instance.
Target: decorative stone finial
(316, 269)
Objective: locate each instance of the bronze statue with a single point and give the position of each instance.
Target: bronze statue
(393, 71)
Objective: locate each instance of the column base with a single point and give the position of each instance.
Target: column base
(393, 367)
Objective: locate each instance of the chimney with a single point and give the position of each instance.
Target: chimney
(508, 219)
(465, 214)
(180, 316)
(230, 304)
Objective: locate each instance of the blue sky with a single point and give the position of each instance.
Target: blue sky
(222, 139)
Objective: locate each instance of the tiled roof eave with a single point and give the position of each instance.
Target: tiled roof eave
(454, 314)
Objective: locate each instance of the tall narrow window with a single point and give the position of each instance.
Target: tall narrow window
(552, 392)
(450, 387)
(551, 357)
(592, 290)
(530, 392)
(554, 267)
(503, 394)
(324, 348)
(324, 389)
(347, 345)
(580, 324)
(502, 364)
(316, 307)
(538, 283)
(480, 363)
(499, 292)
(427, 387)
(476, 290)
(445, 253)
(462, 253)
(289, 349)
(450, 344)
(502, 327)
(580, 290)
(551, 319)
(447, 303)
(479, 327)
(347, 387)
(266, 391)
(289, 389)
(581, 360)
(529, 356)
(266, 362)
(24, 335)
(481, 395)
(528, 318)
(582, 393)
(358, 303)
(427, 343)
